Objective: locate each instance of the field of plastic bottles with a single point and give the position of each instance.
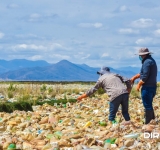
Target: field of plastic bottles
(79, 126)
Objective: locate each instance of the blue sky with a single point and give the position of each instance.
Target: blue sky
(94, 32)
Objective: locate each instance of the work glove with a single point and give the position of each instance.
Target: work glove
(81, 97)
(134, 78)
(139, 85)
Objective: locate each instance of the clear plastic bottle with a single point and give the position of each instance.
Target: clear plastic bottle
(130, 136)
(54, 146)
(107, 144)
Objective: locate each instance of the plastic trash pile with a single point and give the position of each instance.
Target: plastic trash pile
(78, 126)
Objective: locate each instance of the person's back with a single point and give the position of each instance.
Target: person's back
(113, 85)
(149, 71)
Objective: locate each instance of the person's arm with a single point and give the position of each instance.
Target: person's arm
(91, 91)
(135, 77)
(145, 72)
(95, 88)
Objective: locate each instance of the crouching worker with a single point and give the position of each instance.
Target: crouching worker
(118, 90)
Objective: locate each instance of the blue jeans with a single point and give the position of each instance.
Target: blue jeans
(147, 94)
(114, 105)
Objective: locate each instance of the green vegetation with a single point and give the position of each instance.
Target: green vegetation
(27, 105)
(10, 94)
(135, 93)
(27, 94)
(43, 88)
(10, 107)
(11, 87)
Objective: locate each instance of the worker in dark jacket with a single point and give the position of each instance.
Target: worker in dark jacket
(117, 88)
(148, 81)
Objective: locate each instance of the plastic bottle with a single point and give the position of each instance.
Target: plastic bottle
(110, 140)
(49, 136)
(107, 144)
(130, 136)
(12, 147)
(58, 134)
(87, 124)
(158, 145)
(60, 121)
(54, 146)
(55, 104)
(64, 105)
(102, 123)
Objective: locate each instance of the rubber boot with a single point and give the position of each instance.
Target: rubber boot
(149, 115)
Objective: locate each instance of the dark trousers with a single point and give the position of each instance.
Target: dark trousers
(148, 94)
(114, 105)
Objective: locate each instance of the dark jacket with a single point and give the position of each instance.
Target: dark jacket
(113, 84)
(148, 72)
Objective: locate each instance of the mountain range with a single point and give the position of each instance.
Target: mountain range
(27, 70)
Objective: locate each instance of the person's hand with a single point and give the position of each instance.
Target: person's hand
(134, 78)
(81, 97)
(139, 85)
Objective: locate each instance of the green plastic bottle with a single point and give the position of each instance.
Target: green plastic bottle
(102, 123)
(12, 147)
(58, 134)
(110, 140)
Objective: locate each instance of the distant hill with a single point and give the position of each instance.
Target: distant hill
(25, 70)
(131, 69)
(61, 71)
(19, 64)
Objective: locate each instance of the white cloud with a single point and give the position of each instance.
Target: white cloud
(142, 23)
(157, 32)
(89, 25)
(105, 55)
(48, 47)
(128, 31)
(35, 57)
(34, 17)
(29, 46)
(62, 38)
(1, 35)
(55, 46)
(144, 41)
